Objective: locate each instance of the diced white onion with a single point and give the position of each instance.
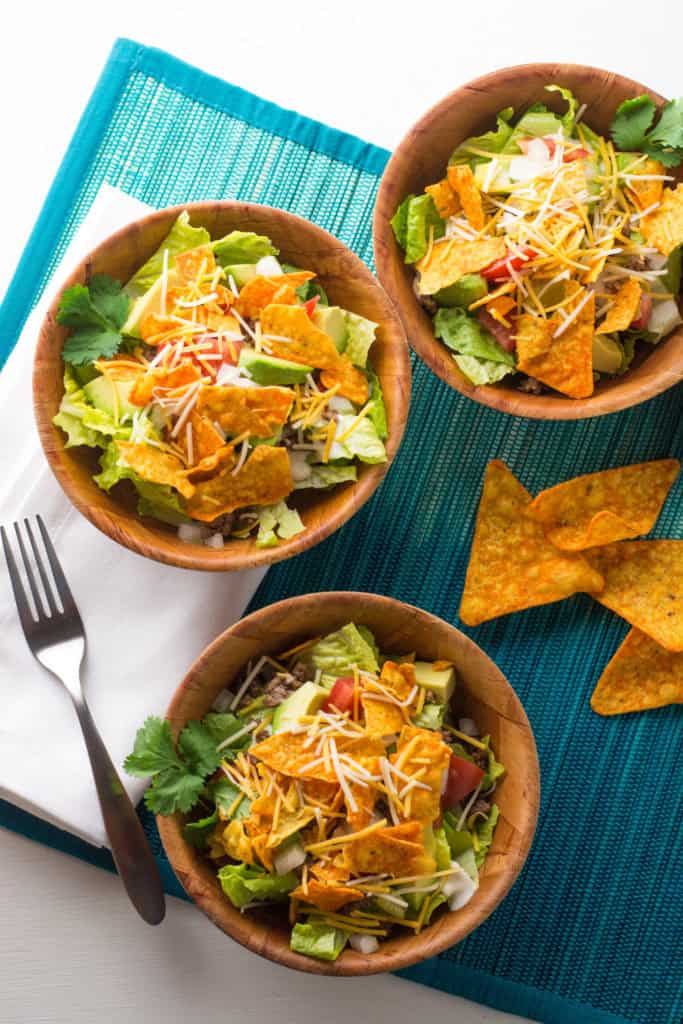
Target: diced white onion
(289, 859)
(458, 887)
(467, 726)
(364, 944)
(191, 533)
(269, 267)
(222, 701)
(300, 466)
(215, 541)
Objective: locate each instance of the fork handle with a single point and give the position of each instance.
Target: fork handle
(131, 850)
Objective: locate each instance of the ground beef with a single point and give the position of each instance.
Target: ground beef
(481, 807)
(224, 524)
(279, 688)
(530, 386)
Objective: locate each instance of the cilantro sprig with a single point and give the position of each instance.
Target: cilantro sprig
(179, 772)
(633, 128)
(95, 315)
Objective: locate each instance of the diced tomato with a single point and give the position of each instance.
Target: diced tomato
(578, 153)
(228, 350)
(569, 155)
(640, 321)
(503, 335)
(548, 143)
(499, 270)
(341, 695)
(311, 304)
(463, 777)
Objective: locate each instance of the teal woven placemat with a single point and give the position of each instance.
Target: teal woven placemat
(589, 932)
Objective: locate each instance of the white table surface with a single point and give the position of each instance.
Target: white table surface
(71, 950)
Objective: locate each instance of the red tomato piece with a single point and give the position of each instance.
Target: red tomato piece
(575, 154)
(640, 321)
(503, 335)
(311, 304)
(548, 143)
(463, 777)
(499, 270)
(341, 695)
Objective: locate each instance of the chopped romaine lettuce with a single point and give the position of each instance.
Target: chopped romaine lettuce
(536, 122)
(468, 863)
(568, 119)
(159, 500)
(361, 337)
(318, 940)
(242, 247)
(465, 335)
(399, 222)
(197, 833)
(488, 144)
(181, 237)
(324, 475)
(458, 840)
(442, 850)
(431, 716)
(82, 422)
(378, 412)
(482, 371)
(494, 769)
(243, 884)
(422, 221)
(362, 443)
(277, 521)
(483, 835)
(337, 653)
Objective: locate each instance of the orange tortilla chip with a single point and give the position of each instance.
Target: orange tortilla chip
(155, 466)
(512, 564)
(331, 870)
(190, 264)
(461, 180)
(285, 753)
(261, 291)
(258, 411)
(155, 328)
(288, 824)
(663, 228)
(623, 309)
(142, 391)
(567, 365)
(265, 477)
(303, 341)
(364, 796)
(383, 718)
(259, 845)
(326, 896)
(414, 746)
(451, 258)
(353, 383)
(397, 850)
(644, 585)
(646, 193)
(206, 440)
(445, 199)
(640, 676)
(237, 843)
(260, 818)
(210, 464)
(534, 336)
(600, 508)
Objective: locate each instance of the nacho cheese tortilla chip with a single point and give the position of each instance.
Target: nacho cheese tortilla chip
(265, 478)
(257, 411)
(640, 676)
(663, 228)
(461, 180)
(206, 440)
(326, 896)
(567, 365)
(512, 563)
(644, 585)
(600, 508)
(261, 291)
(445, 199)
(451, 258)
(353, 384)
(155, 466)
(190, 264)
(383, 718)
(534, 336)
(396, 850)
(289, 333)
(415, 747)
(623, 309)
(645, 193)
(163, 380)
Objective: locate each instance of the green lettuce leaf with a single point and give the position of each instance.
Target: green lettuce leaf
(363, 443)
(671, 282)
(361, 336)
(465, 335)
(422, 217)
(466, 290)
(197, 833)
(81, 421)
(458, 840)
(243, 884)
(317, 940)
(483, 831)
(277, 521)
(431, 716)
(442, 850)
(181, 237)
(482, 371)
(325, 475)
(221, 725)
(468, 863)
(337, 653)
(568, 119)
(378, 412)
(159, 500)
(490, 142)
(494, 769)
(242, 247)
(399, 222)
(309, 290)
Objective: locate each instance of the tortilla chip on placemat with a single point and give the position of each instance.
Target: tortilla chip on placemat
(512, 564)
(640, 676)
(644, 584)
(600, 508)
(567, 365)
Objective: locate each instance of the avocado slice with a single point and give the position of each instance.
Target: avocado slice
(149, 302)
(607, 354)
(271, 370)
(100, 392)
(441, 681)
(466, 290)
(500, 181)
(304, 701)
(240, 273)
(332, 321)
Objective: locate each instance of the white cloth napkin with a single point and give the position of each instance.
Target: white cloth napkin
(145, 622)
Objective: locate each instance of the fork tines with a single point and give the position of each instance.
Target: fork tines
(53, 599)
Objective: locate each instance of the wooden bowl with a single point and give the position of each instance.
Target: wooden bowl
(482, 693)
(421, 159)
(347, 281)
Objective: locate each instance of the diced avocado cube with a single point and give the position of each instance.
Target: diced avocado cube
(240, 273)
(304, 701)
(607, 354)
(149, 302)
(332, 321)
(464, 292)
(499, 181)
(100, 392)
(267, 370)
(440, 681)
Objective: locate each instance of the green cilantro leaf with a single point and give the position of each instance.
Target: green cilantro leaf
(224, 793)
(154, 750)
(669, 129)
(197, 833)
(95, 315)
(198, 748)
(631, 122)
(221, 726)
(632, 129)
(174, 790)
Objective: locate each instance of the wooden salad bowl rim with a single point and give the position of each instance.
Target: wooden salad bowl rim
(485, 694)
(421, 158)
(349, 283)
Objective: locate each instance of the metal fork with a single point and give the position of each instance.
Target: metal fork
(57, 640)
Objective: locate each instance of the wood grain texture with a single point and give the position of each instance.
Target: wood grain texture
(482, 693)
(421, 158)
(348, 283)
